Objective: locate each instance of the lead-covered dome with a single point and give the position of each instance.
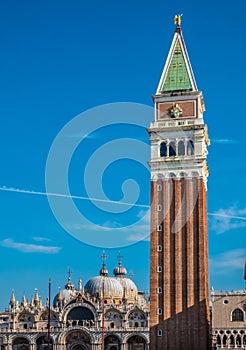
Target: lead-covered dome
(112, 287)
(130, 290)
(66, 294)
(104, 286)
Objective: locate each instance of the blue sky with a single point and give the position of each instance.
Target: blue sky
(59, 59)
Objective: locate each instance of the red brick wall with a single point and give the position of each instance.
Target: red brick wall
(184, 278)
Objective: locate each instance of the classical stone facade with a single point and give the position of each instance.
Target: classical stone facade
(179, 300)
(109, 308)
(229, 320)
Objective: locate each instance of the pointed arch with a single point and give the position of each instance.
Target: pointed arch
(218, 340)
(224, 341)
(232, 340)
(237, 315)
(238, 340)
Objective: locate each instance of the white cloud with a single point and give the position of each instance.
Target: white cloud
(29, 248)
(41, 239)
(224, 220)
(228, 261)
(138, 231)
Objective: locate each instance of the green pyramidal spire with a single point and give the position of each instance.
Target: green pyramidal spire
(177, 76)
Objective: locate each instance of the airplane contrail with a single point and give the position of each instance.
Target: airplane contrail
(228, 216)
(12, 189)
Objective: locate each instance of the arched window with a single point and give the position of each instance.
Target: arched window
(224, 340)
(80, 313)
(112, 342)
(42, 343)
(238, 340)
(163, 149)
(190, 148)
(136, 342)
(181, 148)
(21, 343)
(79, 336)
(232, 340)
(172, 149)
(218, 340)
(237, 315)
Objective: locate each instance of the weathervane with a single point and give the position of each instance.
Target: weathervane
(177, 20)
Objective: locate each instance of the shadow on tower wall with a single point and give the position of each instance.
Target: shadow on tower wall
(186, 330)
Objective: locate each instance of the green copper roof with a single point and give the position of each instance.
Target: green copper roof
(177, 76)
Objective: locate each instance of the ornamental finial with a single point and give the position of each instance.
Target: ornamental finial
(119, 256)
(177, 20)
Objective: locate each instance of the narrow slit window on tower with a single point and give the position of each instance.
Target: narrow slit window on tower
(172, 149)
(190, 148)
(159, 333)
(159, 268)
(159, 227)
(159, 248)
(159, 290)
(163, 149)
(159, 311)
(159, 207)
(159, 187)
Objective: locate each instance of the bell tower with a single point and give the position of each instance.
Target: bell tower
(179, 299)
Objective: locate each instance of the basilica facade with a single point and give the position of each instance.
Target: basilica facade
(107, 310)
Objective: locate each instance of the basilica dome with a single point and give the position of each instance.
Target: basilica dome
(112, 287)
(103, 284)
(130, 290)
(66, 294)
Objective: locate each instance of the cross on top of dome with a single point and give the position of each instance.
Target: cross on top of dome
(119, 270)
(103, 271)
(69, 284)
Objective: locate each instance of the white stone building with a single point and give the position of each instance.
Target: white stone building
(229, 320)
(109, 308)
